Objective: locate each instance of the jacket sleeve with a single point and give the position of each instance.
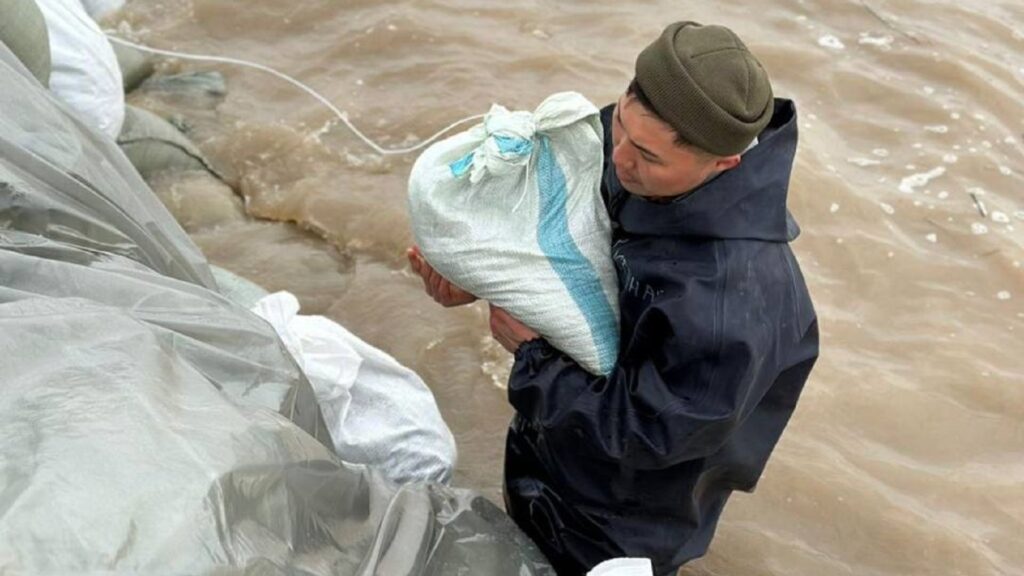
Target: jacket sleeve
(677, 400)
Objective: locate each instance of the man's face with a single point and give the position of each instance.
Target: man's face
(647, 159)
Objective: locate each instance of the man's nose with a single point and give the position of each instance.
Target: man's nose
(621, 157)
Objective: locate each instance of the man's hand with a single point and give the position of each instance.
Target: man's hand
(508, 331)
(442, 291)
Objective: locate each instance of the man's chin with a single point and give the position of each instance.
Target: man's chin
(633, 188)
(654, 197)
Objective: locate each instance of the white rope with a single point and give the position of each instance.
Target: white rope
(341, 115)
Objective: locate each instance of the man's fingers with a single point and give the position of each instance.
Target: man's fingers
(435, 284)
(501, 342)
(499, 327)
(425, 275)
(445, 291)
(509, 331)
(500, 317)
(428, 280)
(498, 335)
(419, 266)
(506, 342)
(414, 261)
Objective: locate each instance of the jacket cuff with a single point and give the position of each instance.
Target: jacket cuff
(532, 353)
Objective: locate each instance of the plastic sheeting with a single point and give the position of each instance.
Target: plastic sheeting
(152, 426)
(239, 290)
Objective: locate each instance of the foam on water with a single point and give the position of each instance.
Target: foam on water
(863, 162)
(908, 184)
(830, 41)
(881, 41)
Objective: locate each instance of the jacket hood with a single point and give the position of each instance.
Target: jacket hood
(747, 202)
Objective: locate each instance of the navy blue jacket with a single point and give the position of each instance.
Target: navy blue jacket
(718, 336)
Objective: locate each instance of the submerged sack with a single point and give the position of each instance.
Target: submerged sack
(511, 211)
(136, 66)
(153, 145)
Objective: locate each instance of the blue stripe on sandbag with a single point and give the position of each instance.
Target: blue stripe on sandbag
(513, 145)
(569, 263)
(462, 165)
(506, 145)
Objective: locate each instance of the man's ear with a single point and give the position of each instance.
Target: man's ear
(727, 163)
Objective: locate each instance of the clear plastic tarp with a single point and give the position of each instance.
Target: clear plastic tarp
(149, 424)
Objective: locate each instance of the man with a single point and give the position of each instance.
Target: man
(718, 331)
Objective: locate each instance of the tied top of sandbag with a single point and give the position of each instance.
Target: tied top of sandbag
(508, 136)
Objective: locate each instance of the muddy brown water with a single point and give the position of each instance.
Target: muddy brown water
(906, 454)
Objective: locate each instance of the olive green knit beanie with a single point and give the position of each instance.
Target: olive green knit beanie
(704, 82)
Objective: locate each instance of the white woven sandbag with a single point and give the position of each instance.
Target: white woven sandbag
(84, 73)
(379, 412)
(511, 211)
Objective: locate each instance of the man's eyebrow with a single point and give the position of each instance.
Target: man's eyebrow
(618, 119)
(645, 150)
